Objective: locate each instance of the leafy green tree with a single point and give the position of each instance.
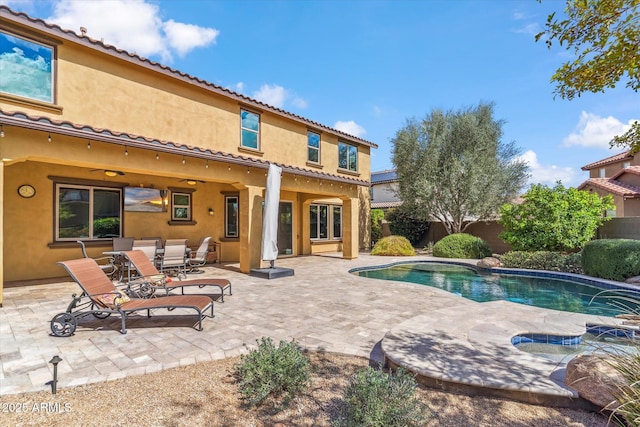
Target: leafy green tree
(553, 219)
(403, 222)
(377, 216)
(452, 166)
(604, 35)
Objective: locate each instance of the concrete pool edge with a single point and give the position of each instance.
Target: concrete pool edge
(470, 351)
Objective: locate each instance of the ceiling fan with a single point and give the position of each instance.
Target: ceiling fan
(108, 172)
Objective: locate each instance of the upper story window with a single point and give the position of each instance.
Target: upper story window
(87, 212)
(626, 165)
(602, 173)
(313, 147)
(180, 206)
(27, 68)
(347, 157)
(250, 130)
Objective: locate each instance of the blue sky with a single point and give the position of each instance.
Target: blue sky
(364, 67)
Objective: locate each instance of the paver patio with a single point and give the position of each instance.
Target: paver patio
(322, 307)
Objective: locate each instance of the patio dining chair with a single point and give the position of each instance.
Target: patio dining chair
(199, 257)
(150, 278)
(100, 298)
(174, 257)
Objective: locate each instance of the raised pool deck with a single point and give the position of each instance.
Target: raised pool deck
(323, 307)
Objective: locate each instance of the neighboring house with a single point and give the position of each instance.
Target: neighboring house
(99, 143)
(384, 185)
(618, 176)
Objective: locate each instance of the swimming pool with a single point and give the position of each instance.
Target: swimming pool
(545, 292)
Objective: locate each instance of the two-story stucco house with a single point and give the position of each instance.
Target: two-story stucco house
(619, 176)
(97, 143)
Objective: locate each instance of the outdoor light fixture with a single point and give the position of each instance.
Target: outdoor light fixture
(210, 212)
(49, 138)
(54, 383)
(191, 182)
(112, 173)
(206, 165)
(88, 145)
(126, 150)
(183, 160)
(157, 156)
(1, 131)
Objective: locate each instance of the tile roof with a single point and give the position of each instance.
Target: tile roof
(384, 205)
(634, 170)
(612, 186)
(612, 159)
(382, 177)
(46, 124)
(24, 19)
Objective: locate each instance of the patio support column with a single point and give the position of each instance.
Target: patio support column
(305, 230)
(1, 230)
(350, 238)
(250, 211)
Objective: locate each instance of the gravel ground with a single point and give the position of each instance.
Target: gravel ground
(206, 394)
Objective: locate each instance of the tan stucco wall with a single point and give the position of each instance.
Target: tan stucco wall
(96, 89)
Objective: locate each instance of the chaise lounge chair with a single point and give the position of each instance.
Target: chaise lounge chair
(150, 276)
(101, 298)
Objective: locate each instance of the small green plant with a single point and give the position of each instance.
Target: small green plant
(613, 259)
(543, 260)
(461, 245)
(375, 398)
(393, 246)
(272, 371)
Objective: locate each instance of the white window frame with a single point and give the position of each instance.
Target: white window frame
(331, 232)
(311, 148)
(602, 173)
(175, 206)
(349, 155)
(244, 129)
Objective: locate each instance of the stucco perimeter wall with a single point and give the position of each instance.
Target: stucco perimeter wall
(107, 92)
(487, 231)
(621, 228)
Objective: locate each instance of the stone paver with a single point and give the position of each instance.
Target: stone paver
(323, 307)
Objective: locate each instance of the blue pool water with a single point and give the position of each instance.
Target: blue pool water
(542, 292)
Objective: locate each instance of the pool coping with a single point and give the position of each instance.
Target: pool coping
(545, 382)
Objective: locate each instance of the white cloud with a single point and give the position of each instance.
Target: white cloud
(186, 37)
(239, 87)
(133, 25)
(548, 174)
(271, 94)
(350, 127)
(595, 131)
(531, 29)
(278, 96)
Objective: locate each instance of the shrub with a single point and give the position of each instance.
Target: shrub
(270, 371)
(402, 223)
(461, 245)
(553, 219)
(106, 227)
(375, 399)
(543, 260)
(613, 259)
(393, 246)
(377, 215)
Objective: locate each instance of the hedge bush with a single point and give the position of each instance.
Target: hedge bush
(377, 215)
(393, 246)
(543, 260)
(403, 223)
(461, 245)
(613, 259)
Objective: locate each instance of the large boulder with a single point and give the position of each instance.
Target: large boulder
(633, 280)
(595, 380)
(489, 262)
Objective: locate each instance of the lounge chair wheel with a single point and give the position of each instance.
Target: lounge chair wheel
(63, 325)
(99, 314)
